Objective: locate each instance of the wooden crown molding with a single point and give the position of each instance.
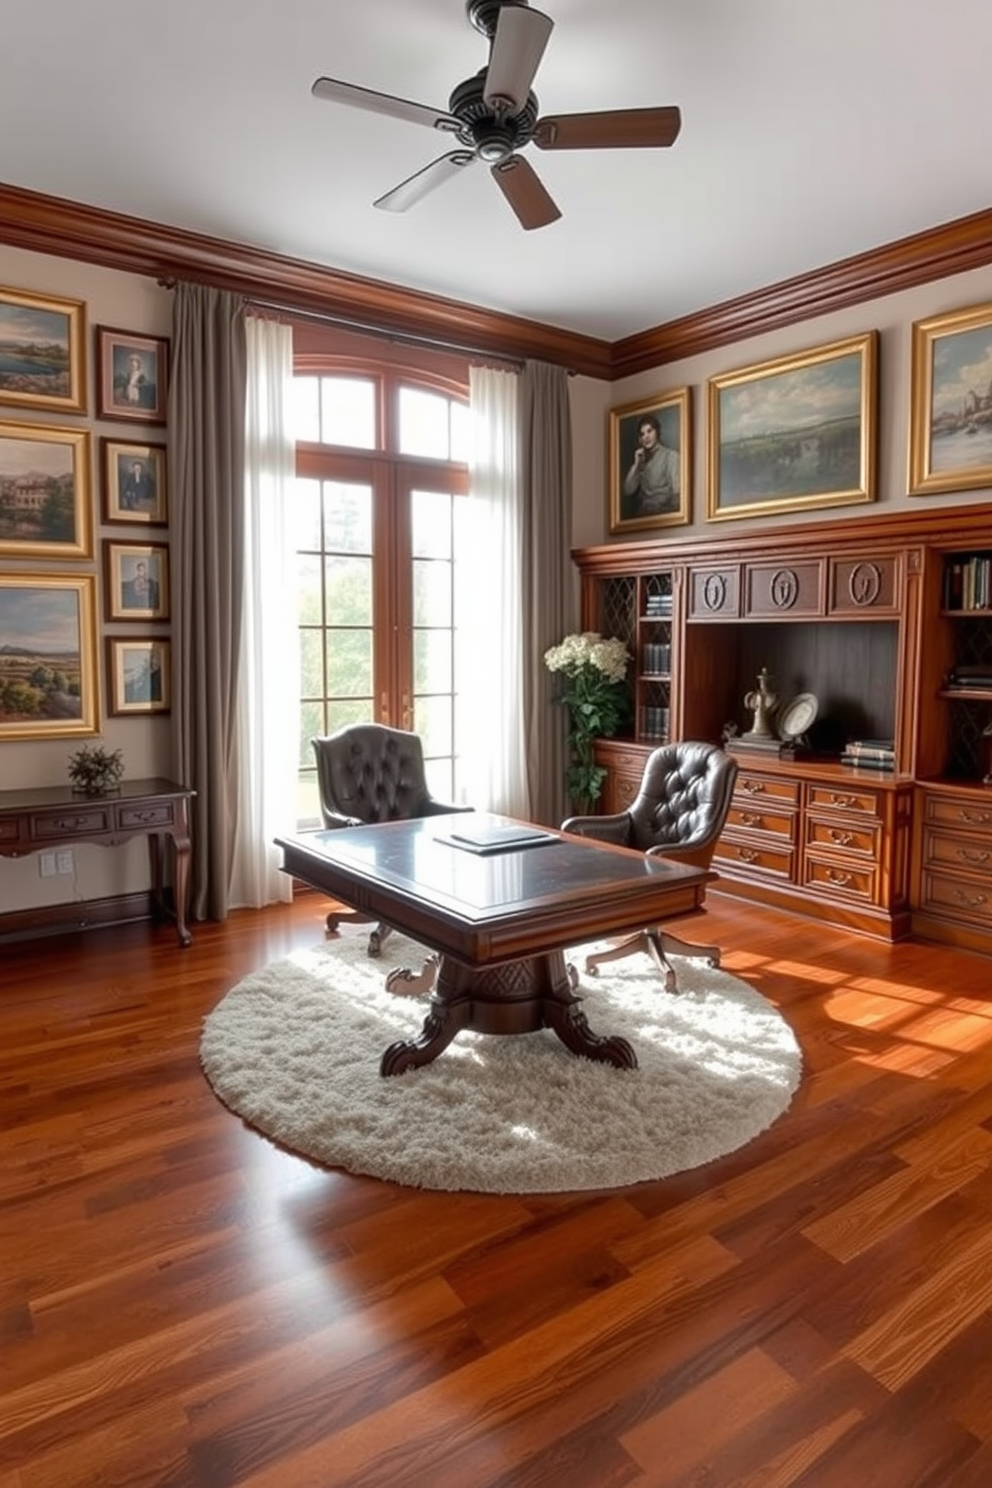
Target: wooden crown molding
(46, 224)
(935, 254)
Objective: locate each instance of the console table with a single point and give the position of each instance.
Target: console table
(34, 820)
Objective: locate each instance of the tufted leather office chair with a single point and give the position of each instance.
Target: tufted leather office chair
(369, 773)
(678, 812)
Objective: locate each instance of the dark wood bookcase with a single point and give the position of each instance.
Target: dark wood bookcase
(858, 612)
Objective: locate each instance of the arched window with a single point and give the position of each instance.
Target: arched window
(382, 465)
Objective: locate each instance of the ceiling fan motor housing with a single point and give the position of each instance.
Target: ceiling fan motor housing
(484, 14)
(492, 136)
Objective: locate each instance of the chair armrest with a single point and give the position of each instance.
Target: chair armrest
(615, 829)
(694, 856)
(443, 808)
(338, 819)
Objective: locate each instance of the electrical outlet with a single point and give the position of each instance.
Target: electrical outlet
(63, 861)
(46, 865)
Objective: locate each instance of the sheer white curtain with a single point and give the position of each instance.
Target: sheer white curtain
(268, 707)
(489, 723)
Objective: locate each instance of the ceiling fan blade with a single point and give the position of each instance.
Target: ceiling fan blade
(620, 128)
(515, 55)
(522, 188)
(417, 186)
(334, 91)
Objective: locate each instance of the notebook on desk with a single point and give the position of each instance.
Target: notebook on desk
(498, 839)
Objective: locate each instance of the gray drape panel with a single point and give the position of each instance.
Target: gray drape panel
(546, 472)
(206, 477)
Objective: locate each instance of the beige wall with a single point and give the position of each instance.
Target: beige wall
(131, 303)
(892, 317)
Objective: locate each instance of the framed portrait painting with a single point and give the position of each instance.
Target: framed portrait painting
(950, 432)
(132, 375)
(134, 485)
(138, 675)
(137, 580)
(49, 684)
(794, 434)
(42, 352)
(650, 472)
(45, 492)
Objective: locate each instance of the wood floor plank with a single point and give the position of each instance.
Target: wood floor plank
(183, 1305)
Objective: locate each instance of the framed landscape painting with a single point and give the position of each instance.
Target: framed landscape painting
(42, 351)
(138, 675)
(132, 375)
(650, 469)
(134, 487)
(794, 434)
(950, 438)
(48, 663)
(45, 492)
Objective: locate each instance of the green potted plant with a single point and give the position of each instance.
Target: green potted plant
(94, 771)
(592, 688)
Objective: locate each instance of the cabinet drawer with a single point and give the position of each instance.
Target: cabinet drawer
(714, 593)
(10, 829)
(967, 854)
(763, 861)
(58, 826)
(846, 880)
(859, 586)
(859, 839)
(755, 818)
(784, 590)
(141, 818)
(953, 898)
(951, 811)
(625, 788)
(831, 798)
(764, 788)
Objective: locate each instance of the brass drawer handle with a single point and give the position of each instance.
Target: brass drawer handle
(839, 880)
(972, 902)
(973, 857)
(842, 839)
(839, 800)
(975, 818)
(747, 856)
(750, 819)
(753, 787)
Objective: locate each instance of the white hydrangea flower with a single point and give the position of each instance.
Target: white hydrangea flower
(589, 649)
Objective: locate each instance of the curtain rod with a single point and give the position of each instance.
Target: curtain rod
(398, 338)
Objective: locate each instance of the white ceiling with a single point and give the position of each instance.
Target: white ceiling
(811, 132)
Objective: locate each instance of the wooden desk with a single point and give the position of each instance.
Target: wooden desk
(499, 923)
(34, 820)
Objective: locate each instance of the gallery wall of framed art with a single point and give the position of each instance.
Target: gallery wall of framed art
(60, 589)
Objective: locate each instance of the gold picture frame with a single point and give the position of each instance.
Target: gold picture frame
(45, 491)
(139, 675)
(134, 482)
(42, 351)
(137, 580)
(650, 470)
(794, 434)
(49, 677)
(950, 430)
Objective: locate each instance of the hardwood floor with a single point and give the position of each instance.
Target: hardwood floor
(185, 1306)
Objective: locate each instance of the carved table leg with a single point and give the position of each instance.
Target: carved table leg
(515, 997)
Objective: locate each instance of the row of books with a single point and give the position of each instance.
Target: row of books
(656, 658)
(968, 582)
(970, 677)
(870, 754)
(658, 605)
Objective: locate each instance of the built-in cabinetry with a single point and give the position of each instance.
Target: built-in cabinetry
(865, 615)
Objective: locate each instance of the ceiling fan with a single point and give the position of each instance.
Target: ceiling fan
(494, 114)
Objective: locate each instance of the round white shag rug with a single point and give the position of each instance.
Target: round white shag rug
(294, 1049)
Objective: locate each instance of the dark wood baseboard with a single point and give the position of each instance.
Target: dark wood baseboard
(82, 914)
